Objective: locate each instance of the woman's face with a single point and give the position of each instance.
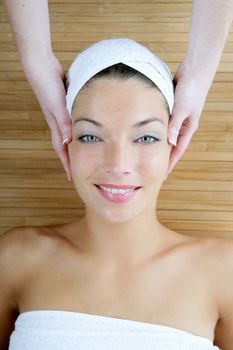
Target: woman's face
(115, 149)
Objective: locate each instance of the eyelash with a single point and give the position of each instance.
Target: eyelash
(81, 139)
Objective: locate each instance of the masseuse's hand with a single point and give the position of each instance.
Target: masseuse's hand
(31, 27)
(210, 24)
(47, 80)
(190, 94)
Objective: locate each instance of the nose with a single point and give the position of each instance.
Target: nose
(118, 160)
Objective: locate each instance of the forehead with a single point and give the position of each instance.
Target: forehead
(130, 97)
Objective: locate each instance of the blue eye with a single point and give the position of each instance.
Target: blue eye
(88, 139)
(148, 139)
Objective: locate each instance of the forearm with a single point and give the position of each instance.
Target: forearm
(210, 25)
(30, 23)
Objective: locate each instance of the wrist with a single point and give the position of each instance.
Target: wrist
(34, 58)
(202, 71)
(35, 66)
(201, 63)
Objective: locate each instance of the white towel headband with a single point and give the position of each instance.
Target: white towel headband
(106, 53)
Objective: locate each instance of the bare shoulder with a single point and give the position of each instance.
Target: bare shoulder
(18, 247)
(218, 253)
(224, 282)
(212, 248)
(22, 238)
(217, 246)
(21, 248)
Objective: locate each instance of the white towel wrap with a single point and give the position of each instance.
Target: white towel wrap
(66, 330)
(106, 53)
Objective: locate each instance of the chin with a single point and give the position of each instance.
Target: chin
(119, 215)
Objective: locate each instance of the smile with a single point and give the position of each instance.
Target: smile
(117, 195)
(115, 190)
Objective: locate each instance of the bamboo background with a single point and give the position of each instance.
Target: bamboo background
(197, 197)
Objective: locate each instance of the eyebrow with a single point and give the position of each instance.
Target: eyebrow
(137, 125)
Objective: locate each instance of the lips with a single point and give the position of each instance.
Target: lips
(119, 187)
(117, 193)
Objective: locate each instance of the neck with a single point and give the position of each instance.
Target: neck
(127, 243)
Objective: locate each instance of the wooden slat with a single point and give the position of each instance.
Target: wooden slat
(9, 66)
(92, 27)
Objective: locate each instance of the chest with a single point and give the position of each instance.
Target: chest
(173, 292)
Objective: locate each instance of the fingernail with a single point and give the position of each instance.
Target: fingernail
(65, 140)
(173, 143)
(68, 177)
(172, 137)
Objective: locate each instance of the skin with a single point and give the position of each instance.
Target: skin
(120, 160)
(169, 275)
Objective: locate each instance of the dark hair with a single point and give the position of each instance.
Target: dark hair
(123, 72)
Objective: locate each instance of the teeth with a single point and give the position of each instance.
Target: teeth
(115, 191)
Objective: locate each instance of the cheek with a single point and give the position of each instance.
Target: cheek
(81, 169)
(79, 154)
(154, 163)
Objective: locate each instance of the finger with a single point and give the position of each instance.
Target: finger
(59, 148)
(60, 117)
(174, 127)
(65, 125)
(66, 162)
(53, 106)
(64, 122)
(182, 143)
